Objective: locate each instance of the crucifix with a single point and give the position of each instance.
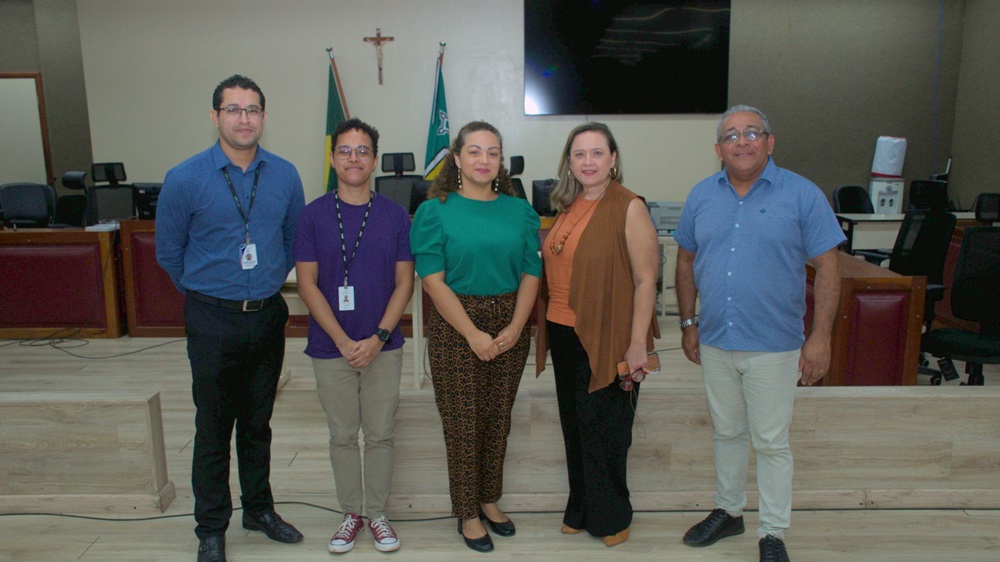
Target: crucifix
(378, 40)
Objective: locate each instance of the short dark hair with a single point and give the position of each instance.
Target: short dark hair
(235, 81)
(352, 124)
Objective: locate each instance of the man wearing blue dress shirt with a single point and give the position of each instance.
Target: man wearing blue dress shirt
(744, 237)
(225, 224)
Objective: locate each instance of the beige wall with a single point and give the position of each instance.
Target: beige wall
(831, 75)
(977, 138)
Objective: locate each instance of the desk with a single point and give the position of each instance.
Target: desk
(876, 232)
(876, 334)
(59, 283)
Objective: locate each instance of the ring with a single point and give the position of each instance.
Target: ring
(501, 345)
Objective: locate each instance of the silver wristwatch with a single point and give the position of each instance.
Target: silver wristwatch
(688, 322)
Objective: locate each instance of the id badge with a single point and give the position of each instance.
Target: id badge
(248, 256)
(345, 296)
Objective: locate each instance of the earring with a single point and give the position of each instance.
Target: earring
(460, 179)
(496, 184)
(614, 172)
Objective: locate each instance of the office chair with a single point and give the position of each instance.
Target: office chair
(399, 186)
(929, 194)
(27, 205)
(111, 200)
(516, 168)
(71, 209)
(852, 199)
(920, 249)
(988, 207)
(974, 297)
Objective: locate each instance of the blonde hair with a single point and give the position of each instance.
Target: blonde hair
(568, 187)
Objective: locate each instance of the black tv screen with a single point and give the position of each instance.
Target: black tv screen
(586, 57)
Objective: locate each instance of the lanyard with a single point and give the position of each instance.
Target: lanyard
(239, 206)
(343, 241)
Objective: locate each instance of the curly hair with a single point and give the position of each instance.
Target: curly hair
(567, 188)
(447, 179)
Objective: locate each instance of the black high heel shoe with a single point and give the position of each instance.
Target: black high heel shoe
(505, 529)
(482, 544)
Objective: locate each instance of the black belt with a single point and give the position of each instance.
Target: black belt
(252, 305)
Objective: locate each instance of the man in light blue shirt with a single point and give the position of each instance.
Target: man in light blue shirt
(744, 238)
(225, 224)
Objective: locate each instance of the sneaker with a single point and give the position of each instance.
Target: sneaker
(385, 537)
(772, 549)
(343, 539)
(717, 525)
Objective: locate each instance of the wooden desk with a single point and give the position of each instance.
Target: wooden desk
(153, 306)
(59, 283)
(876, 335)
(876, 232)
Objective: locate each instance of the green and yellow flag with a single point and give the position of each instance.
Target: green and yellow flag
(336, 113)
(438, 137)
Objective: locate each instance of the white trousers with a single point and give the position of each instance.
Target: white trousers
(750, 398)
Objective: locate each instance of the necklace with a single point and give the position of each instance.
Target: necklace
(557, 249)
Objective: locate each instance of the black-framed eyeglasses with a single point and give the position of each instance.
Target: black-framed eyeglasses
(252, 111)
(733, 136)
(344, 152)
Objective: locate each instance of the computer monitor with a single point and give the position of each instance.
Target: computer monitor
(418, 194)
(146, 196)
(110, 172)
(541, 190)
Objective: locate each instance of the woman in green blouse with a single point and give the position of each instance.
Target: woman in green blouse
(476, 250)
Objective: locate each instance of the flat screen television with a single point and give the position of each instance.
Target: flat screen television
(627, 57)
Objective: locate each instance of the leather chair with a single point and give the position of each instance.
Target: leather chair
(71, 209)
(920, 249)
(852, 199)
(516, 168)
(399, 186)
(974, 297)
(27, 205)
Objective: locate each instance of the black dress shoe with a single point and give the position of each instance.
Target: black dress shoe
(272, 524)
(505, 529)
(718, 525)
(212, 549)
(482, 544)
(772, 549)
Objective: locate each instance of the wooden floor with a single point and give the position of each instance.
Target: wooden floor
(304, 489)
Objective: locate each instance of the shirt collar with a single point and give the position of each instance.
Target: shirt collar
(769, 174)
(220, 160)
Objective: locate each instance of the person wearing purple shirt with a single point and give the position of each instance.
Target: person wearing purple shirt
(355, 273)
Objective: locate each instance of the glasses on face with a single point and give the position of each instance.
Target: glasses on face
(733, 136)
(344, 152)
(252, 111)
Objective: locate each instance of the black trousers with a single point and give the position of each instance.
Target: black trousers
(236, 361)
(597, 431)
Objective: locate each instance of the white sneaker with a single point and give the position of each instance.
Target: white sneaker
(385, 537)
(343, 539)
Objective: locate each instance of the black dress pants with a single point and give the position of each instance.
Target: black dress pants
(597, 431)
(236, 360)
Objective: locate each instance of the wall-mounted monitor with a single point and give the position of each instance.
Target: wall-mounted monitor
(627, 57)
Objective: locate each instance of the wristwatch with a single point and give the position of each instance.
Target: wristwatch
(689, 322)
(383, 335)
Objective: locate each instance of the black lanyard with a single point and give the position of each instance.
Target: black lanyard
(239, 206)
(343, 241)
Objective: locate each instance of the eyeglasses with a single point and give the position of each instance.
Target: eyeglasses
(234, 110)
(733, 136)
(344, 152)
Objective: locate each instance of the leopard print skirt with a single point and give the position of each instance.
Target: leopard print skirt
(475, 399)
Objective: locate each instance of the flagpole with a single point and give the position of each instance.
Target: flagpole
(441, 47)
(336, 76)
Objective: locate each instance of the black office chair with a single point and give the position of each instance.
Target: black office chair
(974, 297)
(109, 199)
(852, 199)
(920, 249)
(399, 186)
(929, 194)
(27, 205)
(515, 169)
(71, 209)
(988, 207)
